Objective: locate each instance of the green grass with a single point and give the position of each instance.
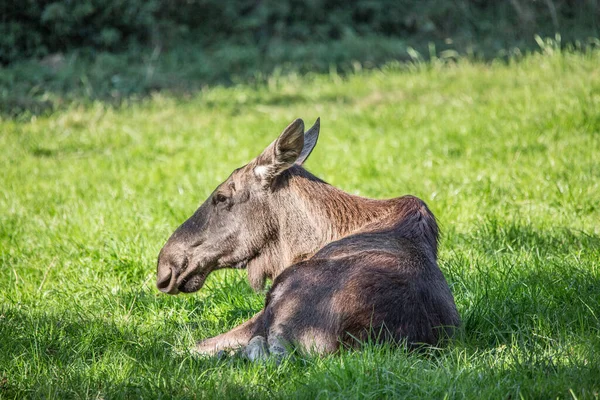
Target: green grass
(507, 155)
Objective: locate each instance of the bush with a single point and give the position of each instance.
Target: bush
(36, 28)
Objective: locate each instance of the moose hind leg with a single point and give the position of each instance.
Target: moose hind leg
(301, 318)
(297, 330)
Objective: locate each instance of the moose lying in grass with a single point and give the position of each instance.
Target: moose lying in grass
(345, 269)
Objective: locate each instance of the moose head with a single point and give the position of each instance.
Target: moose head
(239, 225)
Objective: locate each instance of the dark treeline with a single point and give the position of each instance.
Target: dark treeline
(36, 28)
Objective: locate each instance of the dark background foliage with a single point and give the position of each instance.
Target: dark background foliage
(39, 27)
(54, 52)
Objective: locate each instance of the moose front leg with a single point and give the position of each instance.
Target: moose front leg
(235, 338)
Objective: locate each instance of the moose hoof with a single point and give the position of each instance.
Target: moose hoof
(277, 349)
(256, 350)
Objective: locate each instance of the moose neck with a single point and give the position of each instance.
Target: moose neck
(316, 213)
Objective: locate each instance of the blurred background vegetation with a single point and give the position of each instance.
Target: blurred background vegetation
(55, 52)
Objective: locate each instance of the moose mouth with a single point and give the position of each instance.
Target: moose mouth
(193, 283)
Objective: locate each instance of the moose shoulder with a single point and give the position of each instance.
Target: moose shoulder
(344, 268)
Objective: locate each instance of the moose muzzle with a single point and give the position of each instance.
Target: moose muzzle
(172, 261)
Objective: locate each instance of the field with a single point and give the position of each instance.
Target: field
(506, 154)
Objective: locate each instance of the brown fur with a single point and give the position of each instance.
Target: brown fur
(344, 268)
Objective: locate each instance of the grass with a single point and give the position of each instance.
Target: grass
(506, 155)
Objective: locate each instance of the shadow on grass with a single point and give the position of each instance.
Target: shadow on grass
(34, 87)
(514, 282)
(530, 292)
(388, 373)
(71, 355)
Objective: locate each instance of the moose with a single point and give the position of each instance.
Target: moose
(345, 269)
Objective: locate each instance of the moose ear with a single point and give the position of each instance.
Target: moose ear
(282, 153)
(310, 141)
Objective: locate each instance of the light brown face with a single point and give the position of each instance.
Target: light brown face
(217, 235)
(235, 223)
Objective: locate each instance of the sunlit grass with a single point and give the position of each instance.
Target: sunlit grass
(506, 155)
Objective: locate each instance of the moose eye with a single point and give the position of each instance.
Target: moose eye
(220, 198)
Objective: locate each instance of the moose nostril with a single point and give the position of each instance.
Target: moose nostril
(162, 283)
